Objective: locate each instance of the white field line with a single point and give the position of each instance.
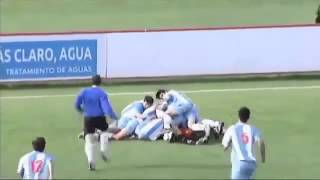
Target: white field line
(187, 92)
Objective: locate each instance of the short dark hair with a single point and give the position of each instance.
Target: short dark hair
(39, 144)
(160, 91)
(148, 99)
(96, 80)
(244, 114)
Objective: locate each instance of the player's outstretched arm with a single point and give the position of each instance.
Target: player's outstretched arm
(50, 170)
(227, 139)
(79, 101)
(20, 170)
(107, 107)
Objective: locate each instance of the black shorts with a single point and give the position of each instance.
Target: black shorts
(93, 123)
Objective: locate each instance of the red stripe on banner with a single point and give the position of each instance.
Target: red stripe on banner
(158, 30)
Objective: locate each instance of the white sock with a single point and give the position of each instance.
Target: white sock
(167, 121)
(104, 142)
(90, 148)
(211, 123)
(207, 131)
(201, 127)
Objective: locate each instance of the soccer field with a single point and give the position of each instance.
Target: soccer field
(75, 15)
(285, 110)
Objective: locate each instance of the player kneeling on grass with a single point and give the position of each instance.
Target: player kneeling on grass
(130, 117)
(36, 164)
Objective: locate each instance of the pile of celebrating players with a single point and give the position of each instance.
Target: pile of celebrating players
(172, 116)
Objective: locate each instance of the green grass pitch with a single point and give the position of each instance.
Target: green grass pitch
(288, 118)
(67, 15)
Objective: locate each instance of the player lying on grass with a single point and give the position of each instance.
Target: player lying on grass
(184, 115)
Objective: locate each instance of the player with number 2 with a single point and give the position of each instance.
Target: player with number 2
(36, 164)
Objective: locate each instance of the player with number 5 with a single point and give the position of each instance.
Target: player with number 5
(242, 137)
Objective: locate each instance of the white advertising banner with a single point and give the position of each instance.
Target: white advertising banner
(212, 52)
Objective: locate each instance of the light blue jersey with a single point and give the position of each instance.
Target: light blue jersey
(149, 115)
(151, 130)
(180, 102)
(132, 109)
(128, 120)
(243, 138)
(181, 121)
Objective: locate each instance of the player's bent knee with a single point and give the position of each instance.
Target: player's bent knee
(131, 126)
(123, 121)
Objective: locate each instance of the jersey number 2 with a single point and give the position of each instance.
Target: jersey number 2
(245, 138)
(37, 166)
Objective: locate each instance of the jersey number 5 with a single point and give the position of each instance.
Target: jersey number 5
(245, 138)
(37, 166)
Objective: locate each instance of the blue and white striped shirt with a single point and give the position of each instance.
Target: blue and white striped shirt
(243, 137)
(35, 165)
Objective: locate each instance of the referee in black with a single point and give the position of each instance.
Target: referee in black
(94, 104)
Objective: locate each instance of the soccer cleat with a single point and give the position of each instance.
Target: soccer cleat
(203, 140)
(104, 157)
(167, 136)
(215, 133)
(92, 167)
(173, 138)
(221, 126)
(190, 142)
(133, 136)
(109, 135)
(81, 135)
